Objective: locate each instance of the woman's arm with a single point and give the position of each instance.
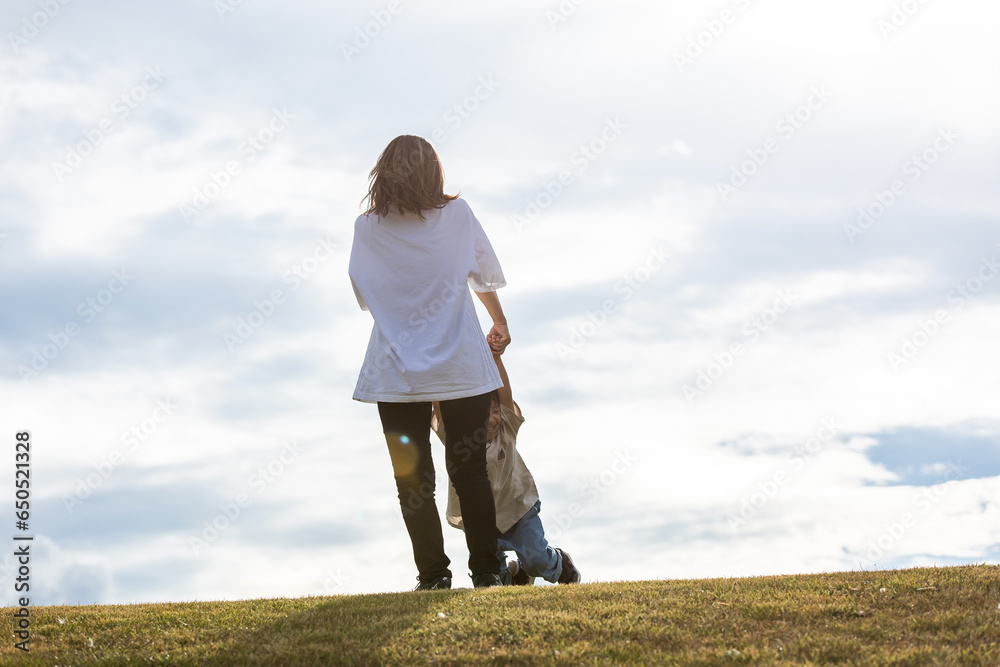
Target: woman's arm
(499, 336)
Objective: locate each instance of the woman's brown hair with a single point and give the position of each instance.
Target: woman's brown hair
(408, 175)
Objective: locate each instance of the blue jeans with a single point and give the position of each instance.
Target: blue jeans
(526, 538)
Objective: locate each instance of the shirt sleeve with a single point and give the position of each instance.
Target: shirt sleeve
(354, 265)
(486, 274)
(361, 299)
(511, 419)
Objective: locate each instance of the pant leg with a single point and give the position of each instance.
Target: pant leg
(407, 433)
(527, 539)
(466, 422)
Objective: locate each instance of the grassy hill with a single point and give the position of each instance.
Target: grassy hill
(927, 616)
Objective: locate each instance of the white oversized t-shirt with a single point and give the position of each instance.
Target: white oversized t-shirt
(414, 277)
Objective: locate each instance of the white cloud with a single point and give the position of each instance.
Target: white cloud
(655, 185)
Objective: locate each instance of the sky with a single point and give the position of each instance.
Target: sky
(750, 249)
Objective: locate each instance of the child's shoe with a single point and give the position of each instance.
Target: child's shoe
(519, 577)
(569, 575)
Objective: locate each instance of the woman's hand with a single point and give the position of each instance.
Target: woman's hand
(498, 338)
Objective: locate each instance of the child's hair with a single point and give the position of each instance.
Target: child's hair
(408, 174)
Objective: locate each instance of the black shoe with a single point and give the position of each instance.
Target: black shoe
(519, 576)
(569, 575)
(436, 584)
(485, 580)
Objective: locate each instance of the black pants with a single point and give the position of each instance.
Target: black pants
(407, 432)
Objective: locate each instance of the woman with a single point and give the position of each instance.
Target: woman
(416, 250)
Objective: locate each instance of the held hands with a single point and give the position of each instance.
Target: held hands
(498, 338)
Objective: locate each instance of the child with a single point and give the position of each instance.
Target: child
(519, 529)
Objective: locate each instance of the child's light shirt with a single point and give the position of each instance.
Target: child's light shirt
(414, 277)
(514, 491)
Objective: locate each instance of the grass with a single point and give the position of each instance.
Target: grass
(925, 616)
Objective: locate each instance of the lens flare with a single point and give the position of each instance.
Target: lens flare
(404, 456)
